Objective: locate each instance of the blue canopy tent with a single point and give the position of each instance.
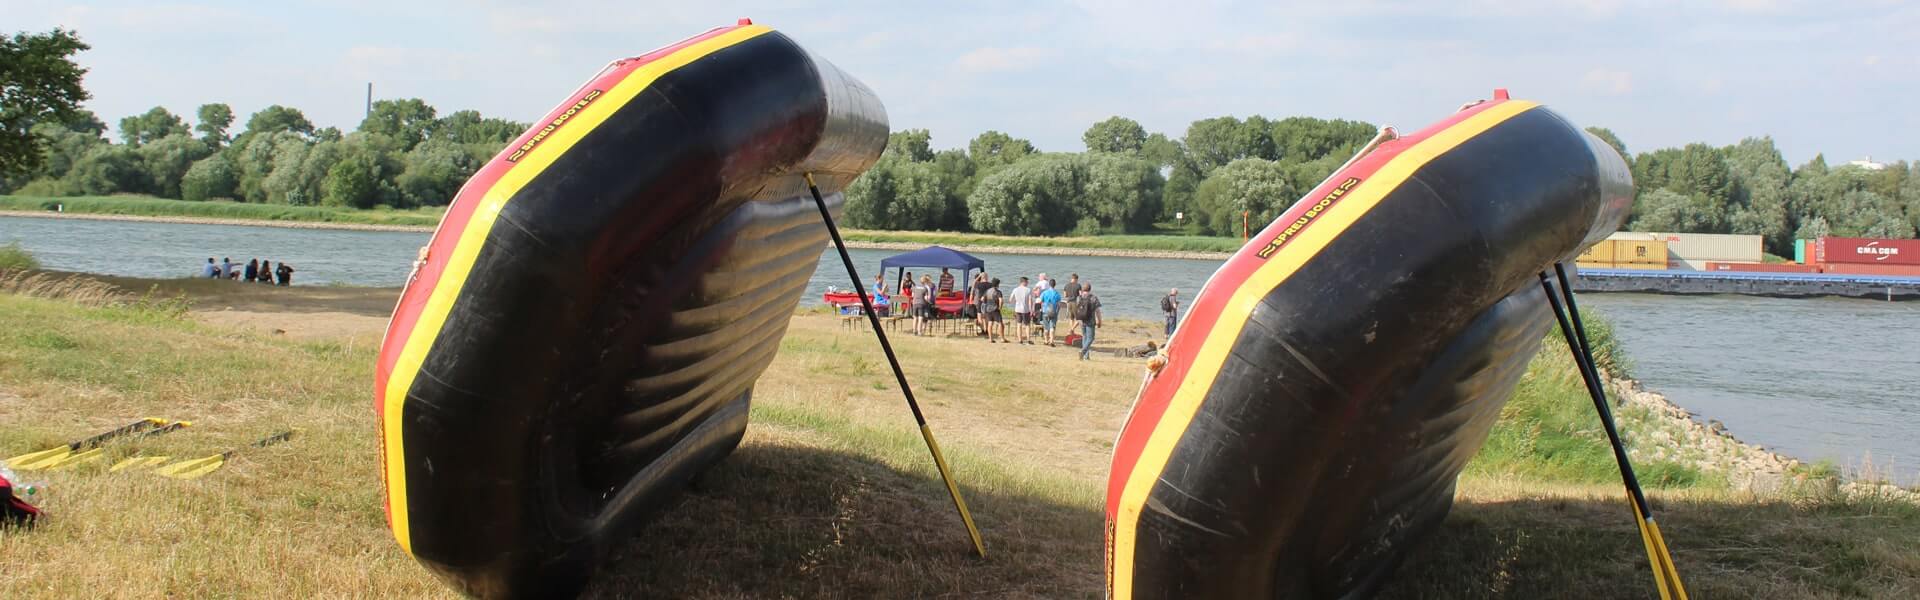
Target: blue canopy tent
(934, 257)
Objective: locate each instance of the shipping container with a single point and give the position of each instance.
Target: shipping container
(1800, 251)
(1631, 236)
(1599, 252)
(1643, 253)
(1636, 266)
(1874, 270)
(1761, 267)
(1834, 250)
(1676, 264)
(1738, 247)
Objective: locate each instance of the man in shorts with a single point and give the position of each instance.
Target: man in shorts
(1070, 294)
(1049, 311)
(990, 300)
(923, 306)
(1023, 310)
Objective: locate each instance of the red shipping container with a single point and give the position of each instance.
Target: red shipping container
(1762, 268)
(1874, 270)
(1867, 251)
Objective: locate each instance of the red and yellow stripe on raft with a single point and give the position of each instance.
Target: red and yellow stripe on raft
(449, 258)
(1169, 403)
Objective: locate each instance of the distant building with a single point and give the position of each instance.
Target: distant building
(1867, 163)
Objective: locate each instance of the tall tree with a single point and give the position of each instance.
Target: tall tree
(1115, 134)
(152, 125)
(407, 121)
(38, 82)
(912, 145)
(468, 127)
(994, 149)
(279, 118)
(167, 160)
(1257, 187)
(214, 121)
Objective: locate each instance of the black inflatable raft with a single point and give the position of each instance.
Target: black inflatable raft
(1335, 375)
(583, 334)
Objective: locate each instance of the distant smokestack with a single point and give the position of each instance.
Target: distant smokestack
(369, 99)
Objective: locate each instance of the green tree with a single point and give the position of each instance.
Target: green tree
(912, 145)
(434, 172)
(39, 82)
(1121, 193)
(1035, 196)
(152, 125)
(351, 183)
(1212, 143)
(214, 121)
(1161, 151)
(212, 177)
(279, 118)
(1760, 180)
(1667, 210)
(1307, 139)
(407, 121)
(1115, 134)
(167, 160)
(256, 155)
(1258, 187)
(993, 150)
(468, 127)
(108, 169)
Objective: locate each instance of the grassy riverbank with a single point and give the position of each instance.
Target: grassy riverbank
(141, 206)
(830, 496)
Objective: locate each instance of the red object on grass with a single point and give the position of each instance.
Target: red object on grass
(13, 510)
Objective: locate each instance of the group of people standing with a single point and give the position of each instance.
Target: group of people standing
(1036, 305)
(255, 271)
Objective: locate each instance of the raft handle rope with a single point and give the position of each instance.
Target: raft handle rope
(1665, 576)
(926, 432)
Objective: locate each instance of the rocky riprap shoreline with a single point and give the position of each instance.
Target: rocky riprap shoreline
(1680, 436)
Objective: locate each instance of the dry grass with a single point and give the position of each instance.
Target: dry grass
(830, 496)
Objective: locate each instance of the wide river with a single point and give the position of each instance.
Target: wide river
(1828, 379)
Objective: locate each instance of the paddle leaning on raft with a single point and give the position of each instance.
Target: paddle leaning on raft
(1336, 374)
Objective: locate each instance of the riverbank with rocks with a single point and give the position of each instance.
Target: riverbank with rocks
(1680, 435)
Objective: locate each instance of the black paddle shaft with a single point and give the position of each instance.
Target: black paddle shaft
(865, 302)
(1576, 336)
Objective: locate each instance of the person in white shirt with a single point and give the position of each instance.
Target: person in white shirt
(1023, 310)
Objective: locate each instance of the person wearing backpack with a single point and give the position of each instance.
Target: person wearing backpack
(1087, 312)
(1170, 304)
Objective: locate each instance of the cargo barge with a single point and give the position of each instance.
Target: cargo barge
(1773, 284)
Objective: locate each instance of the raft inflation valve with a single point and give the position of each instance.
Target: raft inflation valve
(926, 433)
(1665, 576)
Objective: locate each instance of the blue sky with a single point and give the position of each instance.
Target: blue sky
(1837, 77)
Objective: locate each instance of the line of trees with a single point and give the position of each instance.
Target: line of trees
(404, 154)
(1127, 181)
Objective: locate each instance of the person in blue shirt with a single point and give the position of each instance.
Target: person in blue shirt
(211, 270)
(1049, 311)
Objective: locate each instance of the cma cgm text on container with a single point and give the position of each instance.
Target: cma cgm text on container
(1867, 251)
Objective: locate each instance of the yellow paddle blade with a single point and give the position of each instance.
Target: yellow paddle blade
(38, 460)
(1666, 577)
(193, 469)
(76, 459)
(138, 462)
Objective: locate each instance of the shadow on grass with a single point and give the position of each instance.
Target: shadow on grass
(1554, 548)
(777, 520)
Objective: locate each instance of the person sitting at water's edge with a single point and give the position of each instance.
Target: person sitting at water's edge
(284, 273)
(226, 267)
(252, 270)
(211, 270)
(266, 272)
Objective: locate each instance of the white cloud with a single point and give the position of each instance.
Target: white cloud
(993, 59)
(1607, 81)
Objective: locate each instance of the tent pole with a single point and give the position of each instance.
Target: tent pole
(926, 433)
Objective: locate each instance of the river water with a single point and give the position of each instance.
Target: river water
(1832, 379)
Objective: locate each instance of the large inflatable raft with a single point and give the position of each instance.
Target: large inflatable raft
(1335, 375)
(584, 331)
